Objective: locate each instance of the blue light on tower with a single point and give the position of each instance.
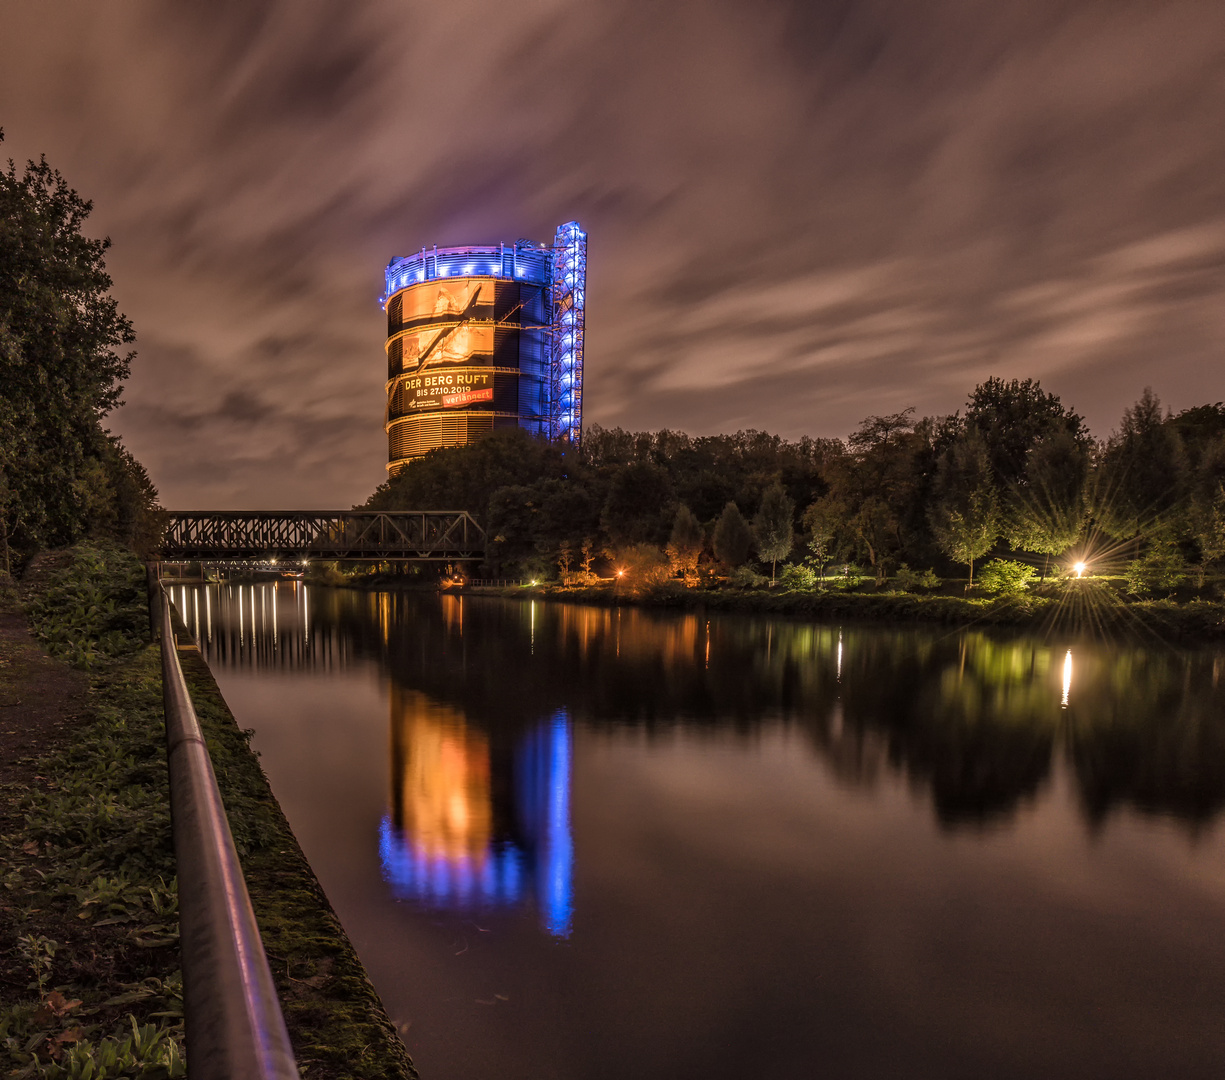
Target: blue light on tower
(569, 301)
(521, 329)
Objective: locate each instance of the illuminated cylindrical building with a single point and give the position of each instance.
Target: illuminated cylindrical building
(485, 337)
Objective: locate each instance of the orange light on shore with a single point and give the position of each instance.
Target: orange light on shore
(620, 573)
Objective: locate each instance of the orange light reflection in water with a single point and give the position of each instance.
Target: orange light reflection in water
(440, 780)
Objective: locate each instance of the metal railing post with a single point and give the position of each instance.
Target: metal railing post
(235, 1030)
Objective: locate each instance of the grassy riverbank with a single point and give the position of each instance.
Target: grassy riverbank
(1081, 610)
(88, 915)
(1091, 607)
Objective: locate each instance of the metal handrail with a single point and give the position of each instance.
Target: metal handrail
(235, 1030)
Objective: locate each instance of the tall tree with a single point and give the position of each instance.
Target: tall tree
(821, 521)
(1048, 512)
(639, 504)
(1012, 418)
(1143, 476)
(685, 545)
(60, 371)
(466, 477)
(965, 515)
(732, 538)
(773, 527)
(875, 485)
(1206, 509)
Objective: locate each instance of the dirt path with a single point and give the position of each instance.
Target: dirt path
(40, 699)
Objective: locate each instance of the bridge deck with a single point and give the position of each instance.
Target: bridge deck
(322, 534)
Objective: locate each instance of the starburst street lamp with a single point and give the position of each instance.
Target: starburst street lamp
(1079, 568)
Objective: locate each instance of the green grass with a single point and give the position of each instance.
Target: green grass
(334, 1015)
(89, 911)
(90, 896)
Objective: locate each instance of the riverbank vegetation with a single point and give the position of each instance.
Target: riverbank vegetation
(89, 915)
(90, 907)
(63, 476)
(1008, 496)
(88, 912)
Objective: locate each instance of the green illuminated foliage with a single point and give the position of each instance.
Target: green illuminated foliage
(821, 521)
(965, 516)
(1047, 513)
(772, 527)
(1006, 577)
(799, 577)
(1160, 569)
(914, 580)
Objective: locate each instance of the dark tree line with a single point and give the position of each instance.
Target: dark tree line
(1014, 473)
(63, 476)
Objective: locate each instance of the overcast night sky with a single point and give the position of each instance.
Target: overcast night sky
(799, 213)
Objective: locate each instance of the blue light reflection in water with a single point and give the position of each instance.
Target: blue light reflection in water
(544, 772)
(495, 878)
(539, 861)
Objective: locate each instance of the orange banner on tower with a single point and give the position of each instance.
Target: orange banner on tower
(443, 298)
(449, 401)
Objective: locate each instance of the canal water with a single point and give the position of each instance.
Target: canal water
(573, 842)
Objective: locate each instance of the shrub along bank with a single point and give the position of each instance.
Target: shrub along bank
(89, 912)
(1088, 607)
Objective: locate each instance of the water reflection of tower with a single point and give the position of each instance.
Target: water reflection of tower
(478, 820)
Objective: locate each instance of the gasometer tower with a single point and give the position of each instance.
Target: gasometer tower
(480, 338)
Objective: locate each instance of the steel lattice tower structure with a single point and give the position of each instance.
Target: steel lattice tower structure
(569, 305)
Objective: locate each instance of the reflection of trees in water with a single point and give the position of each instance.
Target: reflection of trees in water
(968, 717)
(976, 719)
(1154, 739)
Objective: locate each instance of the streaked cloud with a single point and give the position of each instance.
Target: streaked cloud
(799, 213)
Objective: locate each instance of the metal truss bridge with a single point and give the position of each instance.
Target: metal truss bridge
(419, 535)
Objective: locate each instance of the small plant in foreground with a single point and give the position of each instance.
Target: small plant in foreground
(39, 954)
(148, 1051)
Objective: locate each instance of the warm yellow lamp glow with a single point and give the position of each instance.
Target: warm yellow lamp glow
(1079, 568)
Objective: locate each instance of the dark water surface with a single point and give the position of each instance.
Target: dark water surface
(575, 842)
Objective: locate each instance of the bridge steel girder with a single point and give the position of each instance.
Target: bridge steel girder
(357, 535)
